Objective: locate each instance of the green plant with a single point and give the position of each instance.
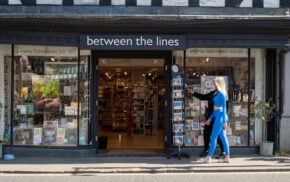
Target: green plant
(48, 89)
(264, 110)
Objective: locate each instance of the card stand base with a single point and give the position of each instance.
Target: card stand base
(178, 154)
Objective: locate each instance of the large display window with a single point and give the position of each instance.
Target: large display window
(47, 108)
(243, 77)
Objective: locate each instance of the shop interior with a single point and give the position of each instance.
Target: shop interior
(131, 98)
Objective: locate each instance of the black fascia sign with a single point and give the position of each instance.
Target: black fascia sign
(133, 42)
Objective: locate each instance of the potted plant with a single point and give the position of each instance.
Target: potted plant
(265, 112)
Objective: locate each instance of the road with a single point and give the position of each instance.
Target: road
(194, 177)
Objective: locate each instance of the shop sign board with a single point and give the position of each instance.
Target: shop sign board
(133, 42)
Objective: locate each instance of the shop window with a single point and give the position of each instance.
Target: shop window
(84, 114)
(201, 66)
(5, 93)
(257, 87)
(46, 104)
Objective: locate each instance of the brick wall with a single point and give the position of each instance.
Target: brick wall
(191, 3)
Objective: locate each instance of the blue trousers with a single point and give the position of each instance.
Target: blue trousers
(218, 130)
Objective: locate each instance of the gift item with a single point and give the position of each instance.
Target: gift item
(29, 108)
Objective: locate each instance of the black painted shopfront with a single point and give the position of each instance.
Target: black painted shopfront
(198, 55)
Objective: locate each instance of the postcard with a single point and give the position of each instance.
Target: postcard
(178, 116)
(178, 127)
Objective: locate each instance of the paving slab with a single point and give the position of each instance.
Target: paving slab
(141, 165)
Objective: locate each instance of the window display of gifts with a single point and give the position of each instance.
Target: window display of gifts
(188, 122)
(195, 140)
(50, 124)
(178, 127)
(236, 110)
(229, 131)
(195, 126)
(30, 122)
(24, 93)
(21, 109)
(200, 140)
(37, 136)
(238, 125)
(178, 116)
(49, 136)
(29, 108)
(188, 140)
(23, 122)
(244, 112)
(60, 136)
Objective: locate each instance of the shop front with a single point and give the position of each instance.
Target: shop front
(125, 94)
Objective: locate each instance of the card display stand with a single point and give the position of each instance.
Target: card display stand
(178, 114)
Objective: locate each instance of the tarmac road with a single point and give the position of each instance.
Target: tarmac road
(169, 177)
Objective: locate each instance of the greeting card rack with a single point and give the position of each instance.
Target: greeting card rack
(178, 115)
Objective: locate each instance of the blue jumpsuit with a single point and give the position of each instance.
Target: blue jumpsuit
(221, 117)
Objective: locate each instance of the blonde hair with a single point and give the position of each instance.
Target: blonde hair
(221, 85)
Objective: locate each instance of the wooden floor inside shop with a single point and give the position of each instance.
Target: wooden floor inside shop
(132, 142)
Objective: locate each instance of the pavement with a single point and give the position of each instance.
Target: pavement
(254, 163)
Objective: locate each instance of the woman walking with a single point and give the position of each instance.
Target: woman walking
(221, 120)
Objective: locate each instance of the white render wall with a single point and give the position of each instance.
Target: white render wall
(202, 3)
(285, 121)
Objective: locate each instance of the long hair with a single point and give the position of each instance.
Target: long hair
(221, 85)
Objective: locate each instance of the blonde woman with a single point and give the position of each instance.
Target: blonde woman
(221, 120)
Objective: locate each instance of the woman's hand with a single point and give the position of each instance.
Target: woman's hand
(208, 122)
(190, 91)
(225, 126)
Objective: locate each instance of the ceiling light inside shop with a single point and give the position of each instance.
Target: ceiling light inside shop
(207, 60)
(155, 61)
(125, 73)
(143, 75)
(52, 59)
(104, 61)
(149, 74)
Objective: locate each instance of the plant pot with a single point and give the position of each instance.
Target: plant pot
(266, 148)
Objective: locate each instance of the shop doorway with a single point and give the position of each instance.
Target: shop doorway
(131, 104)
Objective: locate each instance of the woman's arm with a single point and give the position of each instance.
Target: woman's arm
(202, 96)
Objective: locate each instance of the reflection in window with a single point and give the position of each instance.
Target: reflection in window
(201, 66)
(45, 95)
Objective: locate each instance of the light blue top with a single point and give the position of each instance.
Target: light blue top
(219, 100)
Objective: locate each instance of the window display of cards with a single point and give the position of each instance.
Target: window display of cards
(189, 140)
(188, 122)
(178, 94)
(179, 116)
(50, 124)
(178, 139)
(195, 126)
(178, 128)
(37, 136)
(49, 136)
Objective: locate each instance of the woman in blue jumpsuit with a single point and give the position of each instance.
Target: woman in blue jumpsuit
(221, 120)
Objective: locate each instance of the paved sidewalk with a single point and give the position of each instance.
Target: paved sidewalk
(141, 165)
